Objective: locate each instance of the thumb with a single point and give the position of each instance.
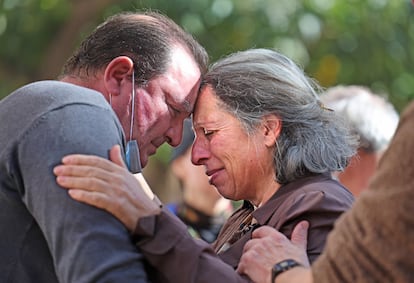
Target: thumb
(300, 234)
(116, 156)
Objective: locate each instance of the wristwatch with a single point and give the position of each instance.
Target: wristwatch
(283, 266)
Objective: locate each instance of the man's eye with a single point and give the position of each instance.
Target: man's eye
(175, 110)
(207, 132)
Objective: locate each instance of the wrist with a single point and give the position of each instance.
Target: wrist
(282, 267)
(298, 274)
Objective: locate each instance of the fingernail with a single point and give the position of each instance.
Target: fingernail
(57, 170)
(66, 159)
(60, 180)
(73, 194)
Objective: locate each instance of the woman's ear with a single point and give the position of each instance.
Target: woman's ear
(272, 127)
(118, 70)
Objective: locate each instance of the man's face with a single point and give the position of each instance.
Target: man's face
(162, 105)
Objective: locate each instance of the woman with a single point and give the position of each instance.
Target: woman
(263, 137)
(372, 242)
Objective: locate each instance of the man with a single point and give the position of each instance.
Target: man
(373, 119)
(141, 67)
(372, 242)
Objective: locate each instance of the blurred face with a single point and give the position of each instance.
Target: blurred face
(238, 164)
(197, 190)
(162, 105)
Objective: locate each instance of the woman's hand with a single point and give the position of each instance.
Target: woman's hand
(107, 185)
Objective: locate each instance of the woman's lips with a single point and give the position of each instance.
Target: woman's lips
(213, 175)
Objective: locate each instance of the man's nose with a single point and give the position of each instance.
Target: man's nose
(175, 134)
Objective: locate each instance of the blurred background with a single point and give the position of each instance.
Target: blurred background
(364, 42)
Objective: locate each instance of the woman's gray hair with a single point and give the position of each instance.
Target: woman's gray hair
(257, 82)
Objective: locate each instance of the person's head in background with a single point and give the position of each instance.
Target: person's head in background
(148, 68)
(374, 119)
(201, 206)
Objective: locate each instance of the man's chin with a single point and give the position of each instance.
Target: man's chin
(145, 155)
(144, 161)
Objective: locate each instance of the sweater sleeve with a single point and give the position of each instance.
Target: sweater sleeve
(176, 256)
(373, 242)
(86, 244)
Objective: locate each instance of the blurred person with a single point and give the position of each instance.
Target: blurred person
(135, 78)
(373, 119)
(372, 242)
(202, 208)
(262, 136)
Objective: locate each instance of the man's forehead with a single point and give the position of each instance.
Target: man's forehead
(187, 97)
(184, 77)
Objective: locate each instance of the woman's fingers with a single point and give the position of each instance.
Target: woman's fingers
(81, 171)
(108, 185)
(91, 161)
(92, 198)
(83, 183)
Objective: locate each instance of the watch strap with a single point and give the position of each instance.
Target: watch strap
(282, 266)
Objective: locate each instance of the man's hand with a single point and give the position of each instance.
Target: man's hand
(268, 247)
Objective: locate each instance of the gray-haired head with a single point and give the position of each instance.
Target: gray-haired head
(371, 116)
(257, 82)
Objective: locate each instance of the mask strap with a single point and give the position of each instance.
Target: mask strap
(132, 152)
(132, 106)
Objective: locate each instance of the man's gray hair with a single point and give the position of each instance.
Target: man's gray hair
(257, 82)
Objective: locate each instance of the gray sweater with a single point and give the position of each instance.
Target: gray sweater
(45, 235)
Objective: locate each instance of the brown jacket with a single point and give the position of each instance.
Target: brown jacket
(318, 199)
(374, 242)
(176, 257)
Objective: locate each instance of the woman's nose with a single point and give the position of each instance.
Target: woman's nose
(199, 152)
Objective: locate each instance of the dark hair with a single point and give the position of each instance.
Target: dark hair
(254, 83)
(146, 37)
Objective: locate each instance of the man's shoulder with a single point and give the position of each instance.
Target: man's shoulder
(57, 90)
(38, 100)
(40, 97)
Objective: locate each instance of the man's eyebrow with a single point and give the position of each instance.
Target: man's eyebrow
(187, 106)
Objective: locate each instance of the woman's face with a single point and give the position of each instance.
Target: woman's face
(238, 164)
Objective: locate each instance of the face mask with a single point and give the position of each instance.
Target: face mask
(132, 152)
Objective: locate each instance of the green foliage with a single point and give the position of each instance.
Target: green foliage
(26, 29)
(365, 42)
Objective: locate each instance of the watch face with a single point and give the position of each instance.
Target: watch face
(283, 264)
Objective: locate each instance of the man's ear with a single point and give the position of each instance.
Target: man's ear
(272, 127)
(118, 70)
